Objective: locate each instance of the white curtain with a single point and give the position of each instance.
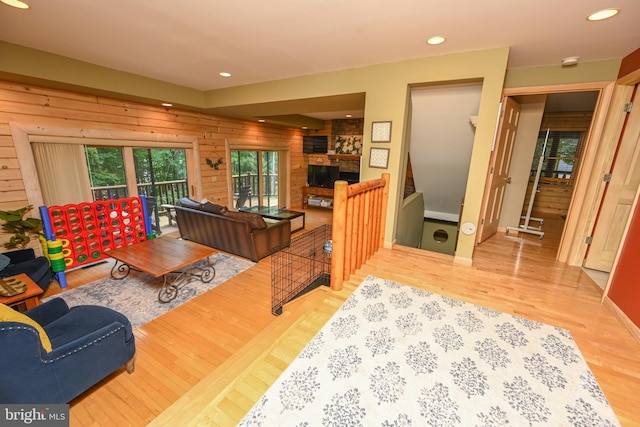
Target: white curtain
(62, 172)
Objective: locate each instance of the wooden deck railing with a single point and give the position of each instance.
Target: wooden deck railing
(166, 192)
(359, 219)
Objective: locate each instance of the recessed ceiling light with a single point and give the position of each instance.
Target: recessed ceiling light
(167, 104)
(436, 40)
(261, 120)
(348, 115)
(603, 14)
(225, 74)
(16, 3)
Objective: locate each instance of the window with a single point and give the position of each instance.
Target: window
(561, 154)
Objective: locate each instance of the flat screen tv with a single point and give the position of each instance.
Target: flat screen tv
(323, 176)
(315, 144)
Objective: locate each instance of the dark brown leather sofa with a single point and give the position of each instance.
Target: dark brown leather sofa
(239, 233)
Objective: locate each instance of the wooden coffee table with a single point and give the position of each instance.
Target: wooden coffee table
(30, 298)
(161, 257)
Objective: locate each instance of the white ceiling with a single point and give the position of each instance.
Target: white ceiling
(189, 42)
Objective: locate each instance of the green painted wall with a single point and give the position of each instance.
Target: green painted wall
(19, 63)
(386, 87)
(588, 72)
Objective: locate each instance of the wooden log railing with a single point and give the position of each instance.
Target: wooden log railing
(359, 219)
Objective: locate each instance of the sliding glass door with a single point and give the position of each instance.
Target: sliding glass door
(161, 173)
(244, 173)
(73, 173)
(270, 162)
(255, 178)
(106, 172)
(161, 176)
(156, 172)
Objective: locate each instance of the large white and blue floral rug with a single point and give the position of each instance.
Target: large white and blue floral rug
(136, 296)
(394, 355)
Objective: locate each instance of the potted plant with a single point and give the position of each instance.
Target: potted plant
(22, 229)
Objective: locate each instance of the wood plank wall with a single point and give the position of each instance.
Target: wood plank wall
(44, 107)
(567, 120)
(552, 199)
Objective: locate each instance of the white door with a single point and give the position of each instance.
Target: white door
(498, 175)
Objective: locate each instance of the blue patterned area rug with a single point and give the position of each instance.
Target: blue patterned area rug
(394, 355)
(136, 296)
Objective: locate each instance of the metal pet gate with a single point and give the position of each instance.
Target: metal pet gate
(301, 267)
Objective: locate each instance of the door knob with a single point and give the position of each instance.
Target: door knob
(508, 180)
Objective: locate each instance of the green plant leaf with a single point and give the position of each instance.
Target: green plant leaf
(22, 229)
(11, 215)
(33, 224)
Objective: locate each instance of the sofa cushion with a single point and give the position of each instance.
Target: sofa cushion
(254, 220)
(213, 208)
(8, 314)
(188, 203)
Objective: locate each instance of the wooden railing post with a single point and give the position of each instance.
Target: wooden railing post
(338, 234)
(385, 205)
(359, 220)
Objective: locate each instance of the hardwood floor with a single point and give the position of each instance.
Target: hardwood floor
(209, 360)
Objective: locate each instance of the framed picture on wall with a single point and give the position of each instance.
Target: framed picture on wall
(379, 158)
(349, 144)
(381, 132)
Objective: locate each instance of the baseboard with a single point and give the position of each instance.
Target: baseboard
(463, 261)
(624, 319)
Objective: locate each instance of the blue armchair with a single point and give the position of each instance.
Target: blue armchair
(26, 261)
(87, 343)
